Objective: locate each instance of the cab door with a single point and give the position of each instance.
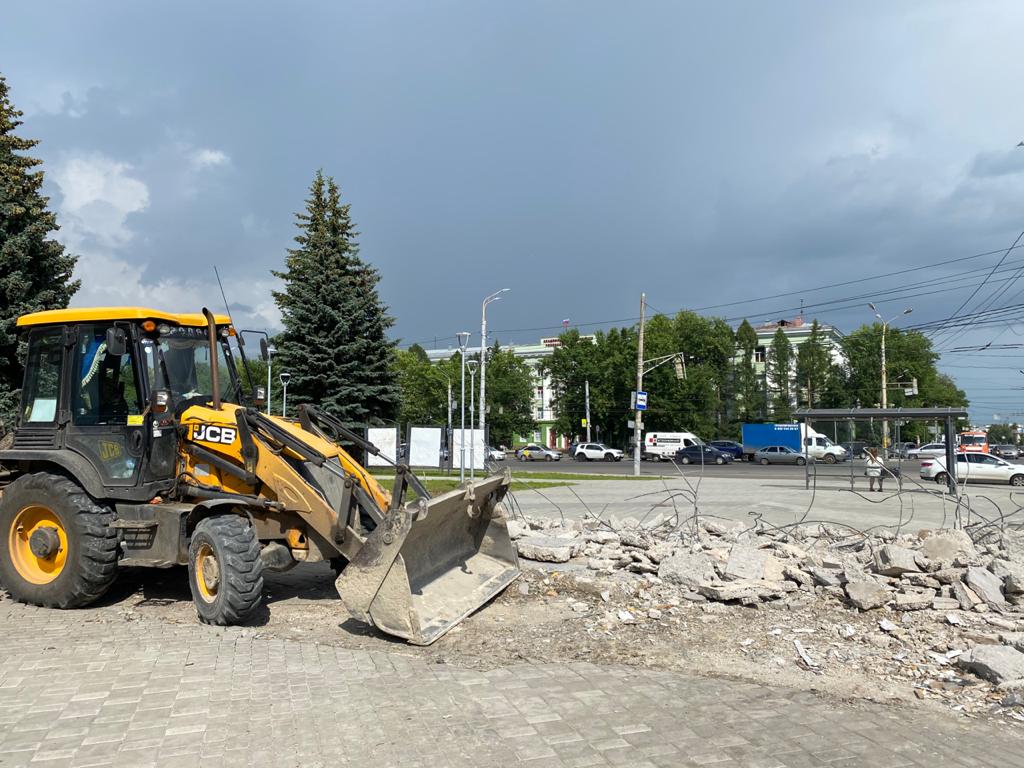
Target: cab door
(107, 405)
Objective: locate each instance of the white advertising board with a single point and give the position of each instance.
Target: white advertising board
(475, 440)
(385, 438)
(425, 446)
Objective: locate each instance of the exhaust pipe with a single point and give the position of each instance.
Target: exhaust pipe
(211, 325)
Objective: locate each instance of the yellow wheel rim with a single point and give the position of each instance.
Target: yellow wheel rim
(38, 545)
(207, 573)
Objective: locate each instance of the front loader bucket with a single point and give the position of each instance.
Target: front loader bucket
(431, 563)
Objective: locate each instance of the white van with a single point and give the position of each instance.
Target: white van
(663, 445)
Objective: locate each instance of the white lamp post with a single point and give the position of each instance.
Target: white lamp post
(284, 377)
(471, 364)
(463, 337)
(483, 354)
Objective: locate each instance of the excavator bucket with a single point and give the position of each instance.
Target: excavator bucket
(431, 563)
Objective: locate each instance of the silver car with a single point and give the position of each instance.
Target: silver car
(929, 451)
(779, 454)
(534, 452)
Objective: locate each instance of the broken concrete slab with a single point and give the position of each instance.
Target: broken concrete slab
(986, 585)
(891, 560)
(945, 604)
(517, 529)
(549, 549)
(867, 595)
(746, 589)
(995, 663)
(687, 569)
(827, 577)
(745, 563)
(965, 596)
(914, 601)
(948, 545)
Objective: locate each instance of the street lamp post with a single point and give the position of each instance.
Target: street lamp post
(885, 379)
(284, 376)
(463, 337)
(483, 353)
(471, 364)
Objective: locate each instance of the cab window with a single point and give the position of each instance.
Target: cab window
(42, 377)
(104, 386)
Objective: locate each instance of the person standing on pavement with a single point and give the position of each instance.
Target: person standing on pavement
(875, 469)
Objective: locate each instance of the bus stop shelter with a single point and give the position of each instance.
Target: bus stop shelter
(896, 416)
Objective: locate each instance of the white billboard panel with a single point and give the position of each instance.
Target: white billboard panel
(386, 439)
(475, 440)
(425, 446)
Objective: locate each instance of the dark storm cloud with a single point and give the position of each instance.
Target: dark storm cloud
(577, 153)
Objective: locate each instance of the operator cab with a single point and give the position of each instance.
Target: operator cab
(104, 383)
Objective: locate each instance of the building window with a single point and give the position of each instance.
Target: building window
(759, 354)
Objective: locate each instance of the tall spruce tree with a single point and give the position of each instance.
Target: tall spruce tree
(781, 357)
(748, 383)
(813, 366)
(334, 342)
(35, 273)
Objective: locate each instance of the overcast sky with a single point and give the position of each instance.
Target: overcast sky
(576, 152)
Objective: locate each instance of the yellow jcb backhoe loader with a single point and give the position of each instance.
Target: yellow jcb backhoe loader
(125, 453)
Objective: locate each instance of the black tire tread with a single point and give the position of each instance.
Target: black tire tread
(241, 569)
(90, 530)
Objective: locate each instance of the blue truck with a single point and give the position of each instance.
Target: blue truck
(799, 437)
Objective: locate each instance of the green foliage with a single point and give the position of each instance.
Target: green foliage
(424, 391)
(813, 367)
(424, 387)
(509, 396)
(334, 342)
(780, 371)
(749, 390)
(697, 402)
(35, 273)
(1001, 434)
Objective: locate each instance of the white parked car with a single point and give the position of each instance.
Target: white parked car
(974, 468)
(596, 452)
(931, 450)
(495, 454)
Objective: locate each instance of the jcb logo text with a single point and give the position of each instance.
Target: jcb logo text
(211, 433)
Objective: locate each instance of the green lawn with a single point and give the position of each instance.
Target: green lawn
(438, 485)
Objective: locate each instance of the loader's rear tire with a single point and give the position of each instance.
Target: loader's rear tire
(57, 548)
(225, 572)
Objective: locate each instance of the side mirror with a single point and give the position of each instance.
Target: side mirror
(264, 349)
(117, 341)
(261, 397)
(160, 401)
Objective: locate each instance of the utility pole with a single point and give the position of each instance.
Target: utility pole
(586, 390)
(639, 388)
(885, 380)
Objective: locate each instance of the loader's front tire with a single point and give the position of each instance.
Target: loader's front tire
(225, 572)
(57, 548)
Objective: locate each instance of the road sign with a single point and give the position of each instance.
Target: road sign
(641, 401)
(583, 422)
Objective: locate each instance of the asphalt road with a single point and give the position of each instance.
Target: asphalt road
(737, 469)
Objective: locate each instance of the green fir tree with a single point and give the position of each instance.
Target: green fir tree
(334, 343)
(780, 357)
(35, 273)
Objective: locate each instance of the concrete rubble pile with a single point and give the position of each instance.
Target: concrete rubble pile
(973, 588)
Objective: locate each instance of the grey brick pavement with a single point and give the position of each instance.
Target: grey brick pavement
(77, 691)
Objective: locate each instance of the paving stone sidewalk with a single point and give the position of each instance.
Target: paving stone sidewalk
(76, 690)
